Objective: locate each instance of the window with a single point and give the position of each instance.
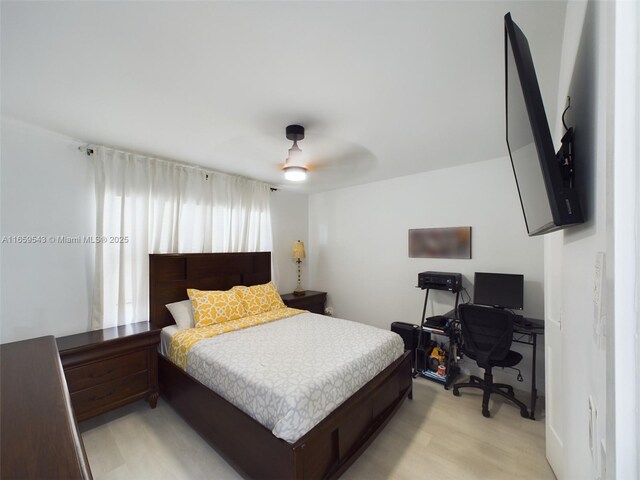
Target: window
(146, 205)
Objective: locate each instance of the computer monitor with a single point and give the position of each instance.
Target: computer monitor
(500, 290)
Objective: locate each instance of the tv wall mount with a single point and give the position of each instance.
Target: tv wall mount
(565, 155)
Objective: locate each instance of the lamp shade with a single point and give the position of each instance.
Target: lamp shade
(297, 251)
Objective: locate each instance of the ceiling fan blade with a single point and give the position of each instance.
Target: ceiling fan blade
(354, 159)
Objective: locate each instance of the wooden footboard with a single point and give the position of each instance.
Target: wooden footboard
(326, 451)
(334, 444)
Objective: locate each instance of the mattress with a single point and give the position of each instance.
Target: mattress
(291, 373)
(165, 339)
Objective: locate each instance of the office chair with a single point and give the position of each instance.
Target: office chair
(487, 336)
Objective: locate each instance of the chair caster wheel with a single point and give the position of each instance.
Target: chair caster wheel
(485, 413)
(456, 392)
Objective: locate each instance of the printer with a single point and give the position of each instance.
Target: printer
(440, 281)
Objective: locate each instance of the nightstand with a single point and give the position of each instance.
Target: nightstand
(108, 368)
(312, 301)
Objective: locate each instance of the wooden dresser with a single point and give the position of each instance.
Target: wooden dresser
(312, 301)
(38, 436)
(108, 368)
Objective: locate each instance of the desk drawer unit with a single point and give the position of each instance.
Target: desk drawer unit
(105, 374)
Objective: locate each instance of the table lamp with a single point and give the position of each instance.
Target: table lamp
(297, 253)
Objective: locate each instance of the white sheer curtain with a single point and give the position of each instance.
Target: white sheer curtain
(146, 205)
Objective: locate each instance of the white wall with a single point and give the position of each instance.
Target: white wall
(290, 220)
(584, 363)
(623, 386)
(600, 359)
(48, 189)
(359, 238)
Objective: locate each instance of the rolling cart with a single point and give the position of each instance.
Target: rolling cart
(447, 328)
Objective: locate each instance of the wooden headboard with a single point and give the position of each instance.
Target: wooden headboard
(171, 274)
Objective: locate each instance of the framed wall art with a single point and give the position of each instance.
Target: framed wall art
(454, 242)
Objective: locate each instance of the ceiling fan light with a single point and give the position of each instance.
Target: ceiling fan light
(295, 173)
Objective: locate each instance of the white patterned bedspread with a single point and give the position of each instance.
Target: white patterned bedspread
(290, 374)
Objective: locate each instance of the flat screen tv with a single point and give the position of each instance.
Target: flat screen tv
(499, 290)
(544, 179)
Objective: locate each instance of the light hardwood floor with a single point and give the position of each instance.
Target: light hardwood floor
(433, 436)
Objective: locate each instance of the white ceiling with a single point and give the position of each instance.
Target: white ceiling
(384, 89)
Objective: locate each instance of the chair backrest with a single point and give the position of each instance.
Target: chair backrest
(486, 332)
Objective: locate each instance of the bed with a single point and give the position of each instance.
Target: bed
(326, 450)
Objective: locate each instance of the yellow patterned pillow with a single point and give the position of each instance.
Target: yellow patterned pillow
(260, 298)
(215, 306)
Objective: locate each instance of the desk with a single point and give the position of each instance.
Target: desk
(525, 331)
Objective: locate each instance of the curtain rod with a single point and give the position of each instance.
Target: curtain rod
(86, 149)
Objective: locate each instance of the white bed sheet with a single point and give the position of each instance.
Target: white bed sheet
(291, 373)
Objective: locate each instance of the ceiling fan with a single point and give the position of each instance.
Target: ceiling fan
(330, 154)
